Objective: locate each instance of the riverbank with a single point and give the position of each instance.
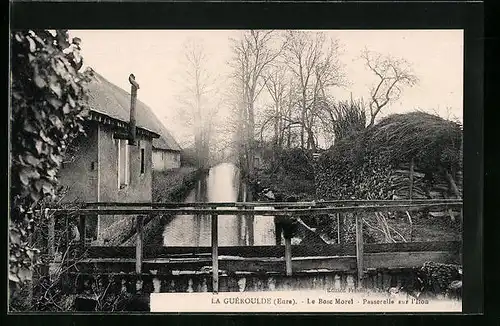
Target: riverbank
(170, 186)
(424, 227)
(167, 186)
(290, 174)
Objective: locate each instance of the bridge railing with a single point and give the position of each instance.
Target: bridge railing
(141, 210)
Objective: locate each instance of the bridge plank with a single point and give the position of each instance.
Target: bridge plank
(322, 211)
(152, 251)
(409, 259)
(230, 264)
(266, 204)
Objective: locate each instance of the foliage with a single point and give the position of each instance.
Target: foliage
(362, 166)
(48, 109)
(296, 162)
(343, 119)
(189, 157)
(289, 172)
(429, 139)
(438, 278)
(432, 142)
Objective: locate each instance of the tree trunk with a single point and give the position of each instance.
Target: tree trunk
(276, 126)
(289, 136)
(302, 131)
(372, 120)
(250, 139)
(311, 143)
(280, 132)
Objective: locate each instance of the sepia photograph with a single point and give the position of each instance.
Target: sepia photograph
(233, 170)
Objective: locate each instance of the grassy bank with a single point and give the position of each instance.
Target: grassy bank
(170, 186)
(423, 228)
(167, 186)
(173, 185)
(43, 294)
(288, 173)
(292, 174)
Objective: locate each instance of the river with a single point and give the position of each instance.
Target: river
(221, 184)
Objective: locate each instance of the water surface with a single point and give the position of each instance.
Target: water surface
(222, 184)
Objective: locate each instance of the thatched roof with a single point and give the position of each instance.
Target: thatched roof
(108, 99)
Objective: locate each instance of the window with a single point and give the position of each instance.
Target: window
(143, 167)
(123, 163)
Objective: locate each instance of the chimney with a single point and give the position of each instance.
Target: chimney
(133, 100)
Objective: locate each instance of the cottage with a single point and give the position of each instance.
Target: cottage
(103, 166)
(166, 151)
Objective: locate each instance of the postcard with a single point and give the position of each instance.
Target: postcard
(236, 170)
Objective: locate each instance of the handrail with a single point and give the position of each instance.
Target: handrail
(260, 212)
(262, 204)
(213, 209)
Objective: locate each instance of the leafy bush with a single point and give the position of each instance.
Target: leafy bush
(362, 165)
(431, 141)
(48, 108)
(189, 157)
(349, 118)
(291, 172)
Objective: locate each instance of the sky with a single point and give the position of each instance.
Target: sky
(154, 57)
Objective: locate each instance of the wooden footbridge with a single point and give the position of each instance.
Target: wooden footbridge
(149, 268)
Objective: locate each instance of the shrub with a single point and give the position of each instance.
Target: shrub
(48, 102)
(362, 165)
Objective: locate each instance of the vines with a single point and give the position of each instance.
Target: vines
(48, 102)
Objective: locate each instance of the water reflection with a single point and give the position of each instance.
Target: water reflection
(222, 184)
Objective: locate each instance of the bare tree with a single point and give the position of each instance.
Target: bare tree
(393, 75)
(276, 87)
(197, 107)
(254, 52)
(314, 61)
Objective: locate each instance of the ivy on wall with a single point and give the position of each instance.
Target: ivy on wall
(48, 101)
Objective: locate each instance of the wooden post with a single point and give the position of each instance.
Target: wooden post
(411, 179)
(412, 167)
(338, 228)
(52, 231)
(456, 191)
(215, 253)
(138, 245)
(288, 256)
(68, 233)
(359, 249)
(250, 228)
(83, 236)
(68, 249)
